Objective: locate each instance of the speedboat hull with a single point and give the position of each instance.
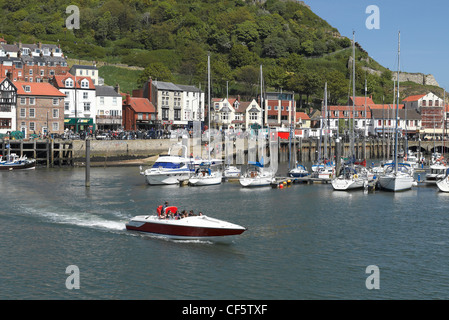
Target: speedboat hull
(189, 228)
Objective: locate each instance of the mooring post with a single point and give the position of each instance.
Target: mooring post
(87, 163)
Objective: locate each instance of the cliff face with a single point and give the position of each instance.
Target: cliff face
(420, 78)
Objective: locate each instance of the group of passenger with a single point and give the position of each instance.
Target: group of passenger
(176, 215)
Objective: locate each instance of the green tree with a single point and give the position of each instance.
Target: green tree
(247, 33)
(241, 56)
(337, 86)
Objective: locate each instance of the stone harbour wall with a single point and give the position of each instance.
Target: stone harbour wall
(121, 148)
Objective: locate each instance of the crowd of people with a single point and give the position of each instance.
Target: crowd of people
(176, 215)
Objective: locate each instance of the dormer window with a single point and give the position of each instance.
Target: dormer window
(69, 83)
(84, 84)
(27, 88)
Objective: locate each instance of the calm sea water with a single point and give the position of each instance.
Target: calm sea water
(303, 242)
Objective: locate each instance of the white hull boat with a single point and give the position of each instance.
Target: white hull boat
(169, 169)
(188, 228)
(443, 184)
(231, 172)
(396, 181)
(257, 178)
(206, 180)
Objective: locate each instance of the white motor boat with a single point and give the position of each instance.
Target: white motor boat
(13, 162)
(437, 172)
(185, 228)
(169, 169)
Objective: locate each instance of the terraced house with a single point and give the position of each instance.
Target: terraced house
(40, 108)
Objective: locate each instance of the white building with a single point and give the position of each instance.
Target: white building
(80, 102)
(193, 101)
(85, 71)
(109, 108)
(8, 102)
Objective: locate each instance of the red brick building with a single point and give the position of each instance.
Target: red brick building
(40, 108)
(137, 113)
(31, 62)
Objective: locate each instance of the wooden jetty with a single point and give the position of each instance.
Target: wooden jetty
(47, 152)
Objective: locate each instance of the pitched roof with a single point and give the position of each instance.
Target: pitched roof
(360, 101)
(141, 105)
(414, 98)
(302, 116)
(60, 81)
(37, 89)
(106, 91)
(411, 114)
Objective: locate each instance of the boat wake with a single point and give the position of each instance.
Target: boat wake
(82, 219)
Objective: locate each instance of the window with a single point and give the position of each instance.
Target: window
(84, 84)
(27, 88)
(67, 106)
(177, 114)
(31, 72)
(430, 103)
(55, 101)
(32, 101)
(55, 126)
(69, 83)
(55, 113)
(114, 101)
(42, 73)
(23, 100)
(52, 72)
(85, 95)
(140, 116)
(32, 126)
(102, 100)
(437, 103)
(86, 106)
(23, 112)
(32, 113)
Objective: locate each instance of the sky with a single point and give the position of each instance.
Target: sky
(423, 25)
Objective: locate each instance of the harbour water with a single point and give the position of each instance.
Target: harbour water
(302, 242)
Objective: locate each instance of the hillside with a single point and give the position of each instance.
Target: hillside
(299, 51)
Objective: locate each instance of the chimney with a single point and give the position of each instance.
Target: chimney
(20, 44)
(117, 88)
(39, 45)
(238, 98)
(128, 99)
(150, 84)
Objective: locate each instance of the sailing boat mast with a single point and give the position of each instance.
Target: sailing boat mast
(208, 101)
(397, 109)
(353, 93)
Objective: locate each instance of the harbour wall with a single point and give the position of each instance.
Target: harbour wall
(54, 153)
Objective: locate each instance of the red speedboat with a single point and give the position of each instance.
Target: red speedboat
(191, 227)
